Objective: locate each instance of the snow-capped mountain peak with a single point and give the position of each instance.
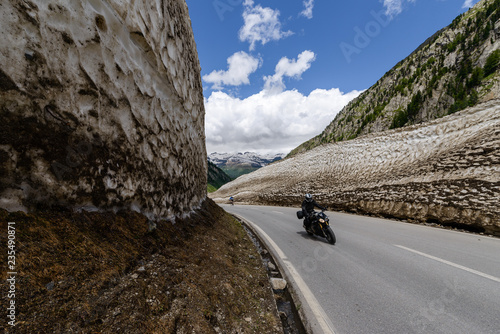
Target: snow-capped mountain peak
(248, 159)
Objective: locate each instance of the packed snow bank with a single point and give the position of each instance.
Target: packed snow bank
(447, 171)
(101, 106)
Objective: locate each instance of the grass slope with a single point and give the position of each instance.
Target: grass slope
(95, 272)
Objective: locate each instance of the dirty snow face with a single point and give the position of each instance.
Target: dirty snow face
(446, 170)
(101, 106)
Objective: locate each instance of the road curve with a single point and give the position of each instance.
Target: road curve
(384, 276)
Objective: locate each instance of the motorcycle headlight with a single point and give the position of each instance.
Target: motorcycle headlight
(321, 220)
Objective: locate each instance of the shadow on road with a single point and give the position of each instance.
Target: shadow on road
(305, 235)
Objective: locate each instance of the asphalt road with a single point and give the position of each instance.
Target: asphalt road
(384, 276)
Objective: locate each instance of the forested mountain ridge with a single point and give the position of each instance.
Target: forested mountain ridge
(457, 67)
(216, 177)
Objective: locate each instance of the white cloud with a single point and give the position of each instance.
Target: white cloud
(261, 25)
(308, 9)
(469, 3)
(288, 68)
(394, 7)
(240, 66)
(269, 123)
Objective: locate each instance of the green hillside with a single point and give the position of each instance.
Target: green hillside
(235, 171)
(216, 177)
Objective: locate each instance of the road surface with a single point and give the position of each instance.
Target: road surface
(385, 276)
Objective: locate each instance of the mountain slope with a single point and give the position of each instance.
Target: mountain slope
(216, 177)
(455, 68)
(242, 163)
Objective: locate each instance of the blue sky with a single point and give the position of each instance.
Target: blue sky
(275, 73)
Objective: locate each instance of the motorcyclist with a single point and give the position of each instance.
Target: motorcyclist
(308, 206)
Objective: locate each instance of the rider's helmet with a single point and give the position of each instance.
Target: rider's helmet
(309, 197)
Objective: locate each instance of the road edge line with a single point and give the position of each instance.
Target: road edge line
(299, 289)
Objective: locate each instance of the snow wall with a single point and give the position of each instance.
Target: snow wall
(445, 171)
(101, 107)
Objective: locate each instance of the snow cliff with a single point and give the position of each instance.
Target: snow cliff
(101, 106)
(446, 171)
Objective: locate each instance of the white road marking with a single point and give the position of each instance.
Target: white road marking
(323, 320)
(493, 278)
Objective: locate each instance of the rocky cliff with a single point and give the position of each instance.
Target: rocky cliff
(101, 106)
(456, 68)
(445, 171)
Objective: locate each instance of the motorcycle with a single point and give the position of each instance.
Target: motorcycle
(320, 226)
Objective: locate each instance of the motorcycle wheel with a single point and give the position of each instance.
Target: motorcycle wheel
(330, 236)
(308, 230)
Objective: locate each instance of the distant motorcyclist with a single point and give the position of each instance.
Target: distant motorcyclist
(308, 206)
(231, 200)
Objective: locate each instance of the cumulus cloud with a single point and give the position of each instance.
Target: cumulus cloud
(394, 7)
(288, 68)
(240, 66)
(308, 9)
(269, 123)
(261, 25)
